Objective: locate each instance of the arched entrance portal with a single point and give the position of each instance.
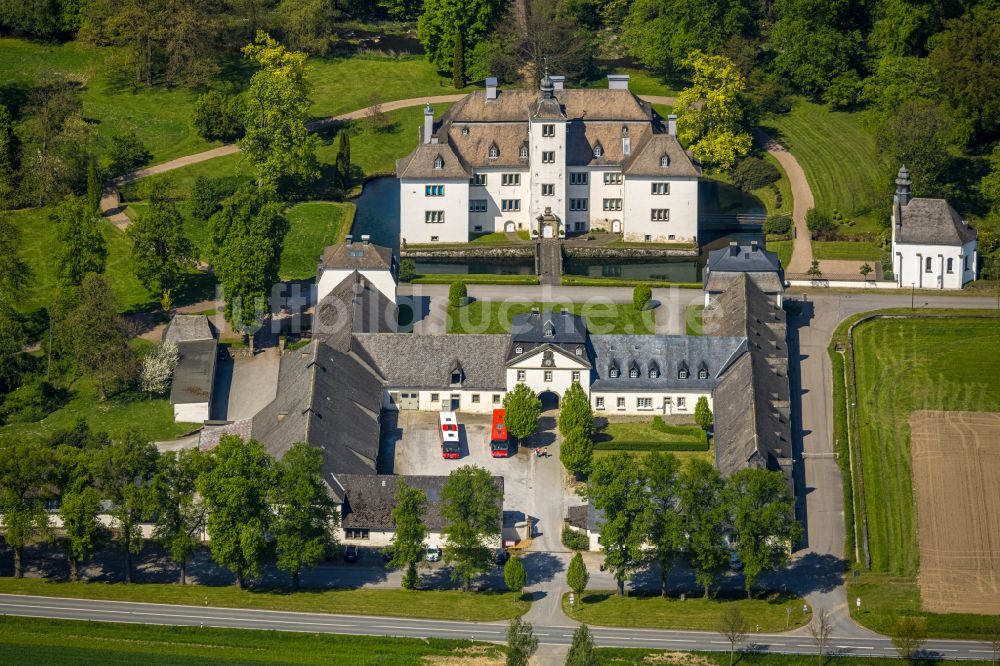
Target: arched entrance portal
(550, 400)
(510, 227)
(616, 226)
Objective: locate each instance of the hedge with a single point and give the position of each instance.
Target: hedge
(575, 540)
(580, 281)
(677, 445)
(474, 278)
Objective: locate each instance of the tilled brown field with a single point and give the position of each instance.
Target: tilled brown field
(956, 479)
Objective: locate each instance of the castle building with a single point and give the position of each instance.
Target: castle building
(550, 162)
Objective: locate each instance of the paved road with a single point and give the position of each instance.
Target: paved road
(197, 616)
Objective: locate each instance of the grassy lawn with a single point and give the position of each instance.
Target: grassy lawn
(905, 365)
(847, 250)
(498, 238)
(154, 419)
(600, 607)
(784, 250)
(643, 435)
(161, 117)
(645, 656)
(601, 318)
(313, 226)
(837, 155)
(432, 604)
(73, 643)
(475, 278)
(694, 315)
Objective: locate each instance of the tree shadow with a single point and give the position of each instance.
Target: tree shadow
(542, 567)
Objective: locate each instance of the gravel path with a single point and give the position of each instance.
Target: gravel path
(802, 201)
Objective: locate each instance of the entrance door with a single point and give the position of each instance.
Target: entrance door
(616, 226)
(667, 406)
(409, 401)
(456, 402)
(547, 231)
(509, 227)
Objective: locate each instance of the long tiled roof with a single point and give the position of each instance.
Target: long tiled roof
(932, 222)
(353, 306)
(426, 361)
(667, 355)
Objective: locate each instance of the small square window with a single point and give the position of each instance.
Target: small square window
(435, 397)
(520, 375)
(613, 374)
(548, 375)
(548, 190)
(599, 402)
(681, 403)
(519, 349)
(548, 156)
(548, 130)
(576, 375)
(434, 239)
(496, 399)
(621, 403)
(633, 373)
(475, 398)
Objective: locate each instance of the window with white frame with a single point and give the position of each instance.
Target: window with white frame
(496, 399)
(659, 214)
(653, 374)
(475, 398)
(519, 349)
(548, 190)
(682, 374)
(510, 179)
(643, 403)
(599, 402)
(613, 178)
(633, 373)
(598, 150)
(520, 375)
(355, 533)
(578, 178)
(612, 204)
(579, 351)
(494, 152)
(438, 162)
(660, 188)
(613, 373)
(621, 403)
(479, 179)
(434, 216)
(523, 152)
(434, 190)
(548, 375)
(548, 157)
(576, 375)
(548, 130)
(664, 160)
(477, 205)
(951, 265)
(578, 204)
(510, 205)
(681, 403)
(703, 374)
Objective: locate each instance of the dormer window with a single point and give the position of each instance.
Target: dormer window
(438, 162)
(456, 377)
(549, 331)
(664, 160)
(465, 131)
(613, 373)
(598, 149)
(523, 153)
(624, 130)
(702, 374)
(494, 152)
(682, 374)
(653, 374)
(579, 351)
(519, 349)
(633, 373)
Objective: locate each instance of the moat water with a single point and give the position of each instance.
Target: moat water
(725, 214)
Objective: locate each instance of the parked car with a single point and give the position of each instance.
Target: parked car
(351, 554)
(432, 553)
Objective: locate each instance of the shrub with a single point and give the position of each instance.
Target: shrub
(128, 153)
(407, 270)
(641, 296)
(779, 225)
(575, 540)
(752, 173)
(203, 199)
(820, 223)
(32, 401)
(458, 294)
(218, 117)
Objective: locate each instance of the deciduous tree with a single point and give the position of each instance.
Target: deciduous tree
(25, 470)
(442, 19)
(581, 650)
(666, 528)
(920, 135)
(158, 367)
(577, 576)
(276, 141)
(180, 512)
(522, 408)
(641, 296)
(305, 514)
(160, 251)
(246, 241)
(104, 351)
(703, 505)
(703, 414)
(123, 472)
(218, 116)
(78, 511)
(10, 158)
(80, 245)
(521, 642)
(576, 452)
(514, 575)
(711, 110)
(617, 487)
(470, 507)
(203, 199)
(734, 628)
(127, 153)
(308, 25)
(411, 531)
(763, 517)
(820, 629)
(909, 635)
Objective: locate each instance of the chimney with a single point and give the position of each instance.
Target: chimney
(491, 87)
(348, 239)
(565, 311)
(902, 196)
(734, 248)
(534, 311)
(428, 123)
(558, 82)
(365, 238)
(617, 81)
(282, 415)
(672, 124)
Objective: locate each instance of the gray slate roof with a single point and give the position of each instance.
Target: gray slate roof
(736, 258)
(330, 400)
(667, 354)
(195, 372)
(752, 402)
(932, 222)
(371, 498)
(184, 328)
(353, 306)
(356, 256)
(717, 282)
(564, 327)
(426, 361)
